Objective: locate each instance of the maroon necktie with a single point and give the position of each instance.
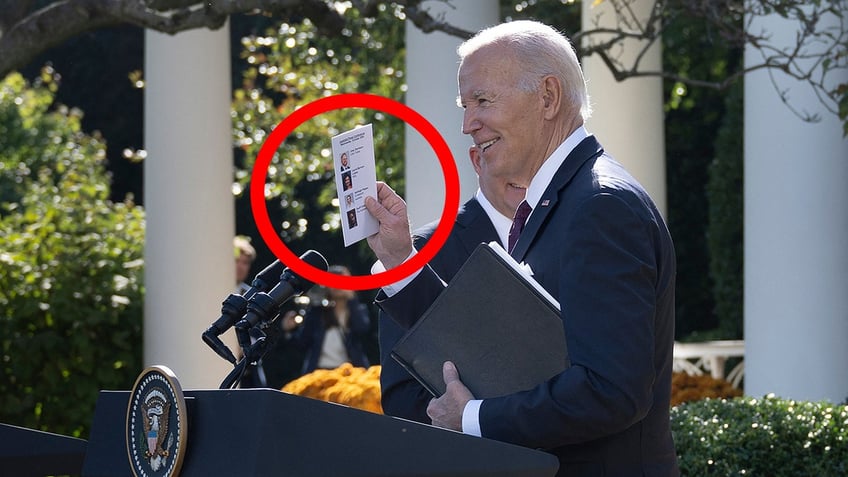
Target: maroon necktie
(518, 223)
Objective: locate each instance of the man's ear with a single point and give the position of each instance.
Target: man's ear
(551, 90)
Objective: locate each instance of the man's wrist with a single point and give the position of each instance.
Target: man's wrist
(393, 288)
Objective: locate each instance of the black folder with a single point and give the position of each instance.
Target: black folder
(497, 324)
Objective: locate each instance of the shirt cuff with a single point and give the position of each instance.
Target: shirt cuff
(393, 288)
(471, 418)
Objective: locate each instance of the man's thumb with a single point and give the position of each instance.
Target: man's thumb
(449, 372)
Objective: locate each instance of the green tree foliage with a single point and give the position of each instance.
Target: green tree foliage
(693, 116)
(292, 65)
(71, 287)
(725, 232)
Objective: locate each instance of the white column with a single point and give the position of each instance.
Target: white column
(627, 116)
(796, 237)
(431, 67)
(189, 264)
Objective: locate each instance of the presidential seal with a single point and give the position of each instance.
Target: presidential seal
(157, 428)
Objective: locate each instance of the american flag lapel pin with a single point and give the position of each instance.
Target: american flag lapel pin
(545, 203)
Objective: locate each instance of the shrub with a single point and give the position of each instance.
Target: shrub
(71, 261)
(761, 437)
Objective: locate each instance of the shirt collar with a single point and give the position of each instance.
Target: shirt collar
(501, 222)
(546, 173)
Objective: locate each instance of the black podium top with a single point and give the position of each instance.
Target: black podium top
(28, 452)
(264, 432)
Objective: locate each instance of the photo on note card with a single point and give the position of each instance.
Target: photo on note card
(351, 218)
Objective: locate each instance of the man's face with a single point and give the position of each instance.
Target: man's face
(506, 123)
(344, 160)
(243, 262)
(503, 196)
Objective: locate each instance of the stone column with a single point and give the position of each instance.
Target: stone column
(627, 116)
(796, 236)
(431, 67)
(189, 267)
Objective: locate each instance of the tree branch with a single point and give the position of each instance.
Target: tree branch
(25, 33)
(425, 22)
(38, 31)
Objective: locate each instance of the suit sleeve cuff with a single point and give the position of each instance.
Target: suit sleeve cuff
(471, 418)
(393, 288)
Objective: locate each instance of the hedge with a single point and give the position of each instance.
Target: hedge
(771, 437)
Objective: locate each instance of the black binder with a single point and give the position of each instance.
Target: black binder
(497, 324)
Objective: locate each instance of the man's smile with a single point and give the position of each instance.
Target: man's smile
(485, 145)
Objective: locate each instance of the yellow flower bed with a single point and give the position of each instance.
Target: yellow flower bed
(347, 384)
(360, 387)
(685, 387)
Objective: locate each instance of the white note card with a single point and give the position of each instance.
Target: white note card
(356, 179)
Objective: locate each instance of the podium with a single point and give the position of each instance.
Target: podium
(265, 432)
(28, 452)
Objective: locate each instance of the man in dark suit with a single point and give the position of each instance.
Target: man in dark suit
(594, 240)
(484, 218)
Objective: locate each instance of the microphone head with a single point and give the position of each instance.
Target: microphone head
(301, 284)
(312, 258)
(316, 260)
(268, 277)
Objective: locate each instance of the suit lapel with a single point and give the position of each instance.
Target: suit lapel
(474, 226)
(587, 149)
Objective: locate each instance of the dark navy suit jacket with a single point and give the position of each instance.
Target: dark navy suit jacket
(402, 395)
(598, 244)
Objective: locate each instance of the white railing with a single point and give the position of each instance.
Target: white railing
(710, 356)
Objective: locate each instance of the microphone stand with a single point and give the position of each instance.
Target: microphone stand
(266, 336)
(262, 313)
(232, 310)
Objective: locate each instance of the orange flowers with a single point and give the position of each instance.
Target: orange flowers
(360, 388)
(685, 387)
(348, 385)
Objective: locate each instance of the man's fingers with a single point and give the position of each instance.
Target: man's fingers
(392, 243)
(375, 208)
(387, 204)
(383, 189)
(390, 200)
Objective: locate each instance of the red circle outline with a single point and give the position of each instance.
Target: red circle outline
(354, 100)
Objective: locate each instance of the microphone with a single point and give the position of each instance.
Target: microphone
(235, 306)
(263, 306)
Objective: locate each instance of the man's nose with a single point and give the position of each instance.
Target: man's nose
(470, 123)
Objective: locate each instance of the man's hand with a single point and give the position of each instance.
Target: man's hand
(393, 242)
(446, 411)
